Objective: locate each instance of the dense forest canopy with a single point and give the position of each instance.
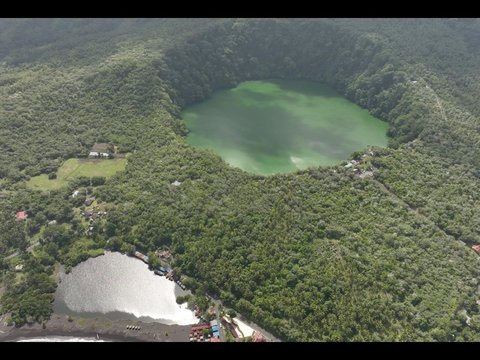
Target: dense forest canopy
(317, 255)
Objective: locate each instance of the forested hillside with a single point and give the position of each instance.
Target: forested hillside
(317, 255)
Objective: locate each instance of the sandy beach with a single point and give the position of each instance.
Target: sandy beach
(109, 330)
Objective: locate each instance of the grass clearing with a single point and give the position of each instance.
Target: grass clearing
(80, 322)
(73, 168)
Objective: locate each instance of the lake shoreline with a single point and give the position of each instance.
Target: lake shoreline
(109, 330)
(278, 126)
(119, 287)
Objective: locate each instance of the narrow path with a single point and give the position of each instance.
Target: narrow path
(439, 104)
(409, 207)
(29, 249)
(11, 256)
(442, 110)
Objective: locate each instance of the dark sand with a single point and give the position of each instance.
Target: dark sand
(112, 330)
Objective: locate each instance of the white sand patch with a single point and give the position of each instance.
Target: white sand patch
(297, 161)
(241, 160)
(246, 330)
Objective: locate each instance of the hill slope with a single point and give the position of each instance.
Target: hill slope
(314, 255)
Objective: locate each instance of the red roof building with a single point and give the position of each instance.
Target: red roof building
(200, 327)
(21, 215)
(476, 248)
(215, 340)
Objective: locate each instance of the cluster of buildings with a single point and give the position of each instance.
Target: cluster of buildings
(205, 332)
(168, 273)
(96, 155)
(161, 270)
(210, 332)
(358, 171)
(100, 150)
(92, 216)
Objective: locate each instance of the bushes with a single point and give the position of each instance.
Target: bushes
(29, 300)
(183, 299)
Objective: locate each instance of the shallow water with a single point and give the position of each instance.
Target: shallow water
(279, 126)
(120, 287)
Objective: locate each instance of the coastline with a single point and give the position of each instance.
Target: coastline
(109, 330)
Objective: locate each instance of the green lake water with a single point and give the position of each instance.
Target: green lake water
(279, 126)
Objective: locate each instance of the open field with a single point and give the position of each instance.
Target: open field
(75, 168)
